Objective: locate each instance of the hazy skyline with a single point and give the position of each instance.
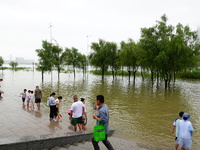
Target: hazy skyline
(77, 23)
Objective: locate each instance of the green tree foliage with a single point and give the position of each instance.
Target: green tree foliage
(13, 64)
(99, 56)
(129, 56)
(71, 57)
(83, 62)
(113, 56)
(57, 58)
(1, 62)
(167, 51)
(45, 57)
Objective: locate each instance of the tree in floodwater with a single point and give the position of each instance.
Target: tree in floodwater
(1, 62)
(113, 57)
(71, 57)
(166, 51)
(99, 56)
(13, 64)
(45, 57)
(57, 58)
(83, 62)
(129, 56)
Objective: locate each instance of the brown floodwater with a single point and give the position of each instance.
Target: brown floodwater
(139, 112)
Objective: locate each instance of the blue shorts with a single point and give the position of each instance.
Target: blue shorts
(185, 143)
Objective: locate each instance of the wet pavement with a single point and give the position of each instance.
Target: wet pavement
(19, 124)
(17, 121)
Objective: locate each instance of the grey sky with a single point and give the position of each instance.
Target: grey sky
(25, 23)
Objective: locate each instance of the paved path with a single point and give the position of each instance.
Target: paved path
(19, 122)
(16, 121)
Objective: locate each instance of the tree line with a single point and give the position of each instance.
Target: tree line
(163, 50)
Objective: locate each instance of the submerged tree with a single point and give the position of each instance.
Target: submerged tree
(45, 57)
(99, 57)
(13, 64)
(129, 57)
(71, 57)
(1, 62)
(166, 51)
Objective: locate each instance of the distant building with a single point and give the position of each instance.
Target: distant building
(20, 60)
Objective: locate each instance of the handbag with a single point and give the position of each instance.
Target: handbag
(99, 132)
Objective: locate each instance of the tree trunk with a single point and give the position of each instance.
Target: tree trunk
(134, 74)
(129, 75)
(42, 75)
(142, 74)
(113, 74)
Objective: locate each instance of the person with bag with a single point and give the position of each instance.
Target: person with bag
(102, 123)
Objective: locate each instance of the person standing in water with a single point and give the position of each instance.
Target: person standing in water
(38, 97)
(175, 126)
(23, 94)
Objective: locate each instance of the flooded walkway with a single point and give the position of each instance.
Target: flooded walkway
(17, 121)
(21, 125)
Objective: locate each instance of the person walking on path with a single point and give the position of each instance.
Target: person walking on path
(23, 94)
(1, 92)
(38, 97)
(175, 127)
(84, 117)
(103, 117)
(185, 132)
(53, 109)
(77, 110)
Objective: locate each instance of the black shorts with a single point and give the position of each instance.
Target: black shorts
(75, 121)
(37, 100)
(23, 99)
(176, 138)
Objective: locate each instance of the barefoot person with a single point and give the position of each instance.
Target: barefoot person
(77, 110)
(38, 97)
(103, 117)
(185, 132)
(175, 126)
(23, 94)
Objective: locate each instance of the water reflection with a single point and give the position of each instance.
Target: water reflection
(138, 111)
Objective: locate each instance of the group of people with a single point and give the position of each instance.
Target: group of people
(31, 98)
(183, 132)
(77, 112)
(78, 116)
(54, 107)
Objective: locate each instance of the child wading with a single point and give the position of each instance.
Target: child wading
(23, 94)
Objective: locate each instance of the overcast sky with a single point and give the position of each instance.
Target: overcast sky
(77, 23)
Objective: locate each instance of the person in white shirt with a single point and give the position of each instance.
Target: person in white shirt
(77, 110)
(175, 126)
(185, 132)
(32, 100)
(28, 98)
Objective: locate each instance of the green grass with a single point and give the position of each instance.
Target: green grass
(17, 68)
(195, 74)
(119, 73)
